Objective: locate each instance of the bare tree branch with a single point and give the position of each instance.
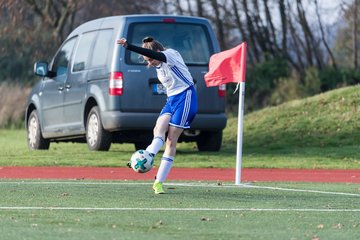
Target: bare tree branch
(251, 30)
(311, 49)
(219, 24)
(282, 10)
(355, 27)
(242, 30)
(333, 61)
(199, 7)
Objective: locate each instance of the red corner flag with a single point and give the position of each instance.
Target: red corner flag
(227, 66)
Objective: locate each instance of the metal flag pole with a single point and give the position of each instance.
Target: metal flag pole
(240, 133)
(240, 117)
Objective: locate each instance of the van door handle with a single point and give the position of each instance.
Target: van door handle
(61, 88)
(67, 86)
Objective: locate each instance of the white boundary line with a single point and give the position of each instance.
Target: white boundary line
(213, 185)
(184, 209)
(304, 190)
(279, 188)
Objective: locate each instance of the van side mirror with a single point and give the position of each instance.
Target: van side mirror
(41, 69)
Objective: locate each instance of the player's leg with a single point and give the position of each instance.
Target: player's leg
(169, 153)
(160, 129)
(167, 158)
(186, 108)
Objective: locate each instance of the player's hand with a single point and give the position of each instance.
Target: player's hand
(121, 41)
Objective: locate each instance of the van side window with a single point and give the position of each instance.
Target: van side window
(61, 61)
(103, 42)
(81, 61)
(191, 40)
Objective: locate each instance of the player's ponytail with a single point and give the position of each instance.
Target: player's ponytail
(151, 43)
(147, 39)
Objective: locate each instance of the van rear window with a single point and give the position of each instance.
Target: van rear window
(190, 40)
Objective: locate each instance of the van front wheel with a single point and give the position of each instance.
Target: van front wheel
(97, 138)
(209, 141)
(34, 135)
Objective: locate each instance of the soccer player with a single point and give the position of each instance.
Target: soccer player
(180, 107)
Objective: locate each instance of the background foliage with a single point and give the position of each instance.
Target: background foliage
(296, 48)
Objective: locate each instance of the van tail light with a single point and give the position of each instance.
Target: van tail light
(222, 90)
(116, 84)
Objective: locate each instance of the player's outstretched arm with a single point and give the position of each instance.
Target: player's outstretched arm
(143, 51)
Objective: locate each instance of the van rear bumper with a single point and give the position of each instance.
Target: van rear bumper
(116, 120)
(209, 121)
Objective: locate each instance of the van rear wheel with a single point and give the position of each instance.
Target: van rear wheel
(97, 138)
(209, 141)
(141, 145)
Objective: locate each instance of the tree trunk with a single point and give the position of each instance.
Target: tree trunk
(261, 32)
(282, 10)
(199, 7)
(333, 61)
(189, 8)
(178, 7)
(355, 43)
(243, 33)
(297, 44)
(219, 25)
(165, 6)
(312, 52)
(272, 32)
(251, 30)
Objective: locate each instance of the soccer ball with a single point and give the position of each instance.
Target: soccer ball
(142, 161)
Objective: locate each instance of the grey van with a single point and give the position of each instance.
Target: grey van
(96, 92)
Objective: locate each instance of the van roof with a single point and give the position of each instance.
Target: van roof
(95, 24)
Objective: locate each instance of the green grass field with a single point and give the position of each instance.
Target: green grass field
(15, 153)
(130, 210)
(317, 132)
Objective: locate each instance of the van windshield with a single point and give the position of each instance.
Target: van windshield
(190, 40)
